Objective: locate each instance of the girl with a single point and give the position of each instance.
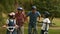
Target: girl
(11, 24)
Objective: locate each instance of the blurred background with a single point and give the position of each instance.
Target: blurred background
(53, 6)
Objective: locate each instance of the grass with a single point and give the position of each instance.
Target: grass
(51, 31)
(56, 21)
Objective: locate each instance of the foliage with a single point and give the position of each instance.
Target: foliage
(42, 5)
(53, 6)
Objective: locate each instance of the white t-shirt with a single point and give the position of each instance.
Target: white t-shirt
(44, 26)
(11, 20)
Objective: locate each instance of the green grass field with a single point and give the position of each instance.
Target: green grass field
(51, 31)
(56, 21)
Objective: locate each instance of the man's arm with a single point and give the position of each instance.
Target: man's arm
(39, 16)
(24, 15)
(27, 16)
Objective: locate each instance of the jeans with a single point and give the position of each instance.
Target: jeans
(32, 29)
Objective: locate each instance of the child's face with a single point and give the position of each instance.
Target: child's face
(11, 17)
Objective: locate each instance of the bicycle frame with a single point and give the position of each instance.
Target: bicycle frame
(11, 29)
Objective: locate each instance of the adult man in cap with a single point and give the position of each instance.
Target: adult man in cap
(20, 18)
(33, 19)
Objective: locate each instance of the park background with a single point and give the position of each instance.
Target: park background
(53, 6)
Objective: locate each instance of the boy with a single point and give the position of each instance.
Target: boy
(45, 23)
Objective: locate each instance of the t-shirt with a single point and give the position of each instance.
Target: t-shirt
(44, 25)
(33, 16)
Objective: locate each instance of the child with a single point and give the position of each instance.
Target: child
(11, 22)
(45, 24)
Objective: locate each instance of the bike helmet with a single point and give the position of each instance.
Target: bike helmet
(33, 7)
(46, 14)
(19, 8)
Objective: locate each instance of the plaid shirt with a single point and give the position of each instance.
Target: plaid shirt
(20, 17)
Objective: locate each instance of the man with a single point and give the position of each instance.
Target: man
(20, 17)
(33, 19)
